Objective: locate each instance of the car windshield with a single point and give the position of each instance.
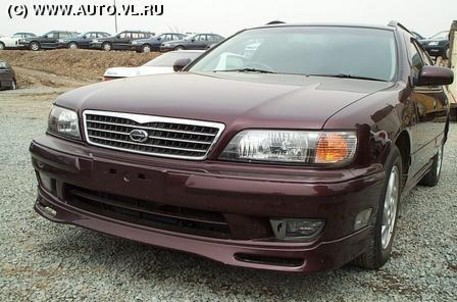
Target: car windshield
(440, 35)
(307, 50)
(169, 58)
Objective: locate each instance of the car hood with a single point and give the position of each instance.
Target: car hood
(237, 99)
(137, 71)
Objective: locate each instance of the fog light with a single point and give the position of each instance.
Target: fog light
(46, 181)
(297, 229)
(362, 219)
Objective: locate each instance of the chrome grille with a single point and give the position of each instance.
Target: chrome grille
(152, 135)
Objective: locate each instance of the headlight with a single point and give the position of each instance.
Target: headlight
(433, 43)
(295, 147)
(63, 122)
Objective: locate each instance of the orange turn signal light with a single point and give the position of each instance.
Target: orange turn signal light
(331, 148)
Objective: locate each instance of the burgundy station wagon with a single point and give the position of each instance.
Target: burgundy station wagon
(285, 147)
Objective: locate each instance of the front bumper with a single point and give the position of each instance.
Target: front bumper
(246, 198)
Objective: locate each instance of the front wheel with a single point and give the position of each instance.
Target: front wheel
(72, 45)
(146, 48)
(384, 225)
(106, 46)
(35, 46)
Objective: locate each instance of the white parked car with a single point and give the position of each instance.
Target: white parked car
(13, 41)
(161, 64)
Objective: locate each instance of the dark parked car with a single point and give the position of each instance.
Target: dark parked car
(46, 41)
(7, 76)
(120, 41)
(195, 41)
(153, 43)
(81, 41)
(292, 156)
(437, 45)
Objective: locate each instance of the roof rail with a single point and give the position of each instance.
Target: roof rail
(397, 24)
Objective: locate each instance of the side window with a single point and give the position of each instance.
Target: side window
(123, 35)
(51, 35)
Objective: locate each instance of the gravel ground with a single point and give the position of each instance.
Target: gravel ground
(44, 261)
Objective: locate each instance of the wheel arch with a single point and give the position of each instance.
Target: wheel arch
(403, 143)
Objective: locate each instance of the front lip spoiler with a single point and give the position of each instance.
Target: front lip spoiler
(230, 252)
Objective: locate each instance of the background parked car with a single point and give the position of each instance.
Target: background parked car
(46, 41)
(13, 41)
(161, 64)
(153, 43)
(120, 41)
(195, 41)
(437, 45)
(81, 41)
(7, 76)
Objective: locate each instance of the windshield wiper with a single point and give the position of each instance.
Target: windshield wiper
(344, 76)
(245, 70)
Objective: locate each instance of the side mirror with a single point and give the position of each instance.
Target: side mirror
(118, 37)
(193, 40)
(159, 38)
(181, 63)
(434, 75)
(46, 37)
(84, 37)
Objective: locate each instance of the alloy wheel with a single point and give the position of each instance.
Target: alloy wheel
(390, 207)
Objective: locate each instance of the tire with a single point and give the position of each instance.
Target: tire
(146, 48)
(107, 46)
(72, 45)
(2, 46)
(179, 47)
(35, 46)
(383, 228)
(432, 178)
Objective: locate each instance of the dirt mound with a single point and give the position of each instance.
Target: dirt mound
(68, 68)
